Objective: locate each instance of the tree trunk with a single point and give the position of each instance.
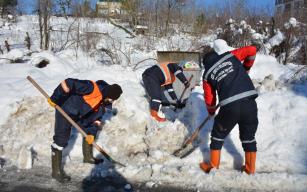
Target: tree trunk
(169, 6)
(156, 17)
(40, 23)
(2, 10)
(46, 30)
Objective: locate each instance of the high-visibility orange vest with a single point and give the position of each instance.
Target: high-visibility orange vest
(94, 99)
(169, 77)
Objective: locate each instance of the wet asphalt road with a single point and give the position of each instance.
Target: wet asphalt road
(38, 179)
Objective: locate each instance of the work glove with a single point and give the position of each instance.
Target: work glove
(179, 105)
(51, 103)
(99, 124)
(90, 139)
(114, 111)
(211, 110)
(187, 84)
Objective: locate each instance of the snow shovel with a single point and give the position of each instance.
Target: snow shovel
(74, 124)
(187, 146)
(184, 90)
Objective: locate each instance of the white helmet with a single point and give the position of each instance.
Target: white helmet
(220, 46)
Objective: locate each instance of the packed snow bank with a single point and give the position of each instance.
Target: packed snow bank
(133, 138)
(146, 147)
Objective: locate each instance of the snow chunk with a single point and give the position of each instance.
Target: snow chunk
(257, 36)
(150, 184)
(292, 22)
(230, 21)
(57, 65)
(240, 31)
(267, 84)
(15, 55)
(24, 158)
(277, 39)
(128, 187)
(243, 22)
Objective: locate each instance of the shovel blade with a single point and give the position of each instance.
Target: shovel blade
(184, 151)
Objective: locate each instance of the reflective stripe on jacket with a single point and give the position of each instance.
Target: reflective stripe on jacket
(226, 75)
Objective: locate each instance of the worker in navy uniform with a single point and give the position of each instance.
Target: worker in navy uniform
(157, 77)
(226, 75)
(85, 102)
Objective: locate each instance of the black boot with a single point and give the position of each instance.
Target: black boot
(88, 154)
(57, 170)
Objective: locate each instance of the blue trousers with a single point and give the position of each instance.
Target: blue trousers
(242, 112)
(154, 91)
(62, 130)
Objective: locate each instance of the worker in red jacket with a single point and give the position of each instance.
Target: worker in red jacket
(226, 75)
(161, 76)
(85, 102)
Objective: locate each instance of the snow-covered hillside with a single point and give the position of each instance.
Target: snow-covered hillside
(133, 138)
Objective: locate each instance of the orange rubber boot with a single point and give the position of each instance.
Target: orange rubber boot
(250, 162)
(155, 115)
(214, 161)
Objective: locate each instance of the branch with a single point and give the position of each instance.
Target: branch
(121, 27)
(108, 52)
(11, 60)
(136, 65)
(296, 73)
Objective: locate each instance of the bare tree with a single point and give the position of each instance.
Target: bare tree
(82, 9)
(132, 8)
(44, 9)
(7, 7)
(65, 5)
(7, 45)
(28, 41)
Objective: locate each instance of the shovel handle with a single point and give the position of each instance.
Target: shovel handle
(70, 120)
(38, 87)
(43, 92)
(196, 132)
(185, 89)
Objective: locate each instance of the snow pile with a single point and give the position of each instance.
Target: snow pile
(25, 158)
(22, 132)
(146, 147)
(291, 23)
(13, 56)
(133, 138)
(276, 40)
